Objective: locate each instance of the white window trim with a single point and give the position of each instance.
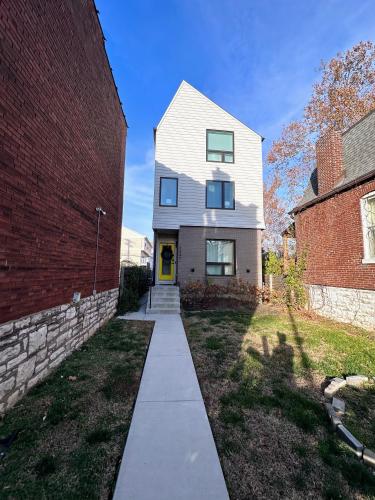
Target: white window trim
(367, 259)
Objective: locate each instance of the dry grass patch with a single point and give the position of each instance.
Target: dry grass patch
(261, 376)
(67, 435)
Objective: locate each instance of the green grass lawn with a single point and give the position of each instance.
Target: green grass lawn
(261, 376)
(69, 431)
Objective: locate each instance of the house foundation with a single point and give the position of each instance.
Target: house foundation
(33, 345)
(348, 305)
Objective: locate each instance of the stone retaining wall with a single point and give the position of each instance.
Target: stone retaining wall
(32, 346)
(348, 305)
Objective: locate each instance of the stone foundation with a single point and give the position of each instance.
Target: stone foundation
(348, 305)
(32, 346)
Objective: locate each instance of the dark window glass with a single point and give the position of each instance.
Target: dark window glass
(168, 192)
(228, 194)
(214, 194)
(220, 146)
(220, 194)
(220, 257)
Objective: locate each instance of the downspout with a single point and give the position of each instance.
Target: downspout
(154, 257)
(100, 212)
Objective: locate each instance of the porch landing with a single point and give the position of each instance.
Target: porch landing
(170, 453)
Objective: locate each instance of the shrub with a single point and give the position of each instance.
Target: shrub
(273, 264)
(45, 466)
(236, 293)
(128, 301)
(136, 281)
(136, 278)
(295, 293)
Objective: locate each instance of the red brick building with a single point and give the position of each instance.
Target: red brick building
(335, 225)
(61, 156)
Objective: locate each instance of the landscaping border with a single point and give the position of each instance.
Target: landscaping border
(336, 408)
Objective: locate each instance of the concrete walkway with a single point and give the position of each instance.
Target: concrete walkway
(170, 453)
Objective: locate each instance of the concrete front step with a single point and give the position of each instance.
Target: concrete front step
(166, 305)
(163, 311)
(158, 298)
(167, 290)
(166, 297)
(164, 300)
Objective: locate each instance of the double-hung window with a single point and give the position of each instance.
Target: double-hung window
(220, 257)
(220, 194)
(368, 223)
(168, 192)
(220, 146)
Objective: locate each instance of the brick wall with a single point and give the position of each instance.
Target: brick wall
(62, 154)
(331, 232)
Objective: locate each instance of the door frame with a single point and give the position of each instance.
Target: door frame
(166, 241)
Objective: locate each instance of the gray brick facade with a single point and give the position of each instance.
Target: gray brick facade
(192, 253)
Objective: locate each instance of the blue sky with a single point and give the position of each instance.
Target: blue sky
(256, 58)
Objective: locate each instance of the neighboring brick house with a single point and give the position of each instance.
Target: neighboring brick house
(335, 225)
(62, 156)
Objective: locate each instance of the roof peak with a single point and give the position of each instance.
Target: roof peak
(185, 82)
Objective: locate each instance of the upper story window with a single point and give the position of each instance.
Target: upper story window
(168, 191)
(220, 146)
(220, 194)
(368, 222)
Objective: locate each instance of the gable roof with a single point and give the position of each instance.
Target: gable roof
(185, 83)
(358, 156)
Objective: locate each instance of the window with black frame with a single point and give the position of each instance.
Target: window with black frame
(220, 194)
(220, 257)
(168, 192)
(220, 146)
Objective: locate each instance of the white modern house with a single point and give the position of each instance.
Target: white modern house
(136, 249)
(208, 194)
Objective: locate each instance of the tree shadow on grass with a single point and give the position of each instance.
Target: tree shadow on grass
(305, 360)
(272, 385)
(257, 386)
(263, 377)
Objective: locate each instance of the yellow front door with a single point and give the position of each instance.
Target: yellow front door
(166, 261)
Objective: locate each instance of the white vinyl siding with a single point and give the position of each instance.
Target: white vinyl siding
(180, 151)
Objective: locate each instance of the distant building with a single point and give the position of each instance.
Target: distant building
(136, 248)
(335, 225)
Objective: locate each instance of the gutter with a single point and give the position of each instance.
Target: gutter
(339, 189)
